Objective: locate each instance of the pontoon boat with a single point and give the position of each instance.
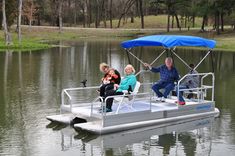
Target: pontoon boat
(139, 108)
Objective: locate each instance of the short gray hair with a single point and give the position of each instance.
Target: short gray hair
(132, 68)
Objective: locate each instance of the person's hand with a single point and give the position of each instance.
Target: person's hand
(106, 82)
(148, 66)
(116, 86)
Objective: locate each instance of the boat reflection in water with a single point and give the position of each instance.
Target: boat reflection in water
(188, 138)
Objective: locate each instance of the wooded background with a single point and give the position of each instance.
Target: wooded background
(101, 13)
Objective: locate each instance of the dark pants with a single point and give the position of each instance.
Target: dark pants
(105, 87)
(168, 86)
(109, 101)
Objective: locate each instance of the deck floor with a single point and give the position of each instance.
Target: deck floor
(138, 105)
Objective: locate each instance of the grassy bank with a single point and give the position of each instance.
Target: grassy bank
(159, 21)
(40, 37)
(27, 43)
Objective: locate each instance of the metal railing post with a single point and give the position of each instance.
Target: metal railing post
(200, 89)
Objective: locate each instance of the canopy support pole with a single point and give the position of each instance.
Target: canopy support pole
(212, 62)
(127, 53)
(158, 57)
(173, 51)
(202, 59)
(152, 61)
(135, 57)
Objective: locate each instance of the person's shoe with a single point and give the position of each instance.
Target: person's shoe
(180, 103)
(100, 109)
(190, 96)
(158, 98)
(163, 99)
(106, 110)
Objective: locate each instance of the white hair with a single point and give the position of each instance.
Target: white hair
(132, 68)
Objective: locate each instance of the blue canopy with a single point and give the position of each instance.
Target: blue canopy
(169, 41)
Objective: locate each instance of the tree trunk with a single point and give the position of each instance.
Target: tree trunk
(193, 21)
(110, 13)
(60, 15)
(203, 23)
(97, 13)
(172, 22)
(31, 15)
(222, 21)
(168, 22)
(90, 14)
(104, 13)
(127, 6)
(177, 22)
(19, 21)
(85, 13)
(84, 17)
(132, 17)
(141, 13)
(75, 13)
(217, 22)
(39, 20)
(4, 23)
(188, 23)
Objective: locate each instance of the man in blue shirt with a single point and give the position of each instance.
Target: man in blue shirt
(168, 75)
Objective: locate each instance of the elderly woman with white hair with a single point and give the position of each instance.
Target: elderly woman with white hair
(127, 83)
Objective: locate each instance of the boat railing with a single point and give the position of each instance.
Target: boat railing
(74, 97)
(67, 97)
(201, 90)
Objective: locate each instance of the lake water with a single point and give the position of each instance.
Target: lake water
(30, 87)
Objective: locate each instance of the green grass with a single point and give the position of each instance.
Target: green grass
(26, 43)
(159, 21)
(24, 46)
(43, 37)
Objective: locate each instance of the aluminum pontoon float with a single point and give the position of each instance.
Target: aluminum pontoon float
(140, 108)
(153, 134)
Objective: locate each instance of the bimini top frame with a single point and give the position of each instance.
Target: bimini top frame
(169, 42)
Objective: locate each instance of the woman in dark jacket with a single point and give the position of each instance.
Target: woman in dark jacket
(111, 77)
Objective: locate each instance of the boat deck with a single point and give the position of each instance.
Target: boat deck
(142, 113)
(138, 105)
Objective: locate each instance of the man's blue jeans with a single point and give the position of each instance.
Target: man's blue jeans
(168, 86)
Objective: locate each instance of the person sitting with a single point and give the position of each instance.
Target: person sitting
(128, 82)
(168, 75)
(111, 77)
(191, 81)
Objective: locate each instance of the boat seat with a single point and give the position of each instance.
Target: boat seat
(129, 99)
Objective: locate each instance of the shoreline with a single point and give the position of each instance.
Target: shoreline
(39, 37)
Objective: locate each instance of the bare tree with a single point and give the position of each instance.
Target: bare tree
(126, 8)
(60, 15)
(4, 23)
(19, 21)
(83, 8)
(110, 13)
(97, 13)
(104, 13)
(29, 11)
(141, 13)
